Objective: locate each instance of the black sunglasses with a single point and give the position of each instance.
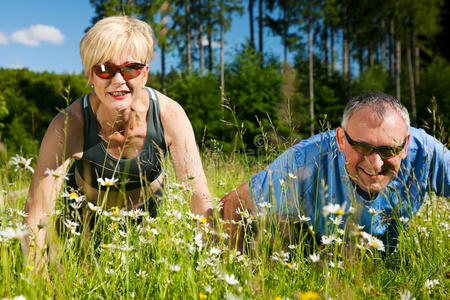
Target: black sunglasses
(367, 149)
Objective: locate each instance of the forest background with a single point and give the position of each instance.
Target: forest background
(341, 48)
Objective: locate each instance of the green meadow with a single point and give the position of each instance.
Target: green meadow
(178, 255)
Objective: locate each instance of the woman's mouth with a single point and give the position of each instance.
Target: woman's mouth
(119, 95)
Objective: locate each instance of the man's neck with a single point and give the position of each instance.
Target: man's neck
(364, 194)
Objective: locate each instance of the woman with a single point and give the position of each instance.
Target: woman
(117, 134)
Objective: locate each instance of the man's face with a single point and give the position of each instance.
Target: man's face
(372, 172)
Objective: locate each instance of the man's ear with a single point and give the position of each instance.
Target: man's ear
(405, 150)
(340, 138)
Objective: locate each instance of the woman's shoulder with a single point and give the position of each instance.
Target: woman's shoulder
(167, 105)
(171, 112)
(66, 128)
(71, 116)
(174, 120)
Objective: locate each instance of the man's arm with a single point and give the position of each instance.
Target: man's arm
(237, 199)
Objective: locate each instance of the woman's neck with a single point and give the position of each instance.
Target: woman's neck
(112, 121)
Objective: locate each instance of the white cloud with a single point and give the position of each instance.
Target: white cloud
(38, 33)
(3, 39)
(214, 44)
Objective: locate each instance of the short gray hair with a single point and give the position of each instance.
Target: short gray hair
(379, 103)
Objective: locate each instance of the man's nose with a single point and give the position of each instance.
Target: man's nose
(375, 160)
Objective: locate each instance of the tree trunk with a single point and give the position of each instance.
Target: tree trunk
(252, 29)
(371, 56)
(311, 77)
(188, 35)
(222, 63)
(284, 38)
(411, 84)
(416, 58)
(383, 45)
(260, 26)
(391, 49)
(361, 59)
(333, 67)
(345, 54)
(326, 49)
(200, 45)
(398, 68)
(163, 66)
(209, 33)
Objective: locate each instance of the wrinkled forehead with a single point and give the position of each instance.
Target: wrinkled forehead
(367, 124)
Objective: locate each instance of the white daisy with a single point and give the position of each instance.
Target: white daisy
(292, 176)
(141, 274)
(373, 211)
(403, 220)
(430, 284)
(332, 208)
(314, 257)
(10, 233)
(57, 174)
(174, 268)
(327, 240)
(21, 162)
(304, 218)
(107, 181)
(230, 279)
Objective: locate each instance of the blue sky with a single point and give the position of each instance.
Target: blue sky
(44, 35)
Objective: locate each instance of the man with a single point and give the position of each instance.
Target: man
(373, 170)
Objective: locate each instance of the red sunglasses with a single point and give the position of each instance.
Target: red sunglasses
(109, 70)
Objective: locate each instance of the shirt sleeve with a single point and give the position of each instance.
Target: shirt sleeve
(282, 185)
(439, 176)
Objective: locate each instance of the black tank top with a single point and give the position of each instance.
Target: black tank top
(132, 172)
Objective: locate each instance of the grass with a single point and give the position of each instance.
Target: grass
(177, 255)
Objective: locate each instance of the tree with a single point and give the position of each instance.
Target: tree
(286, 24)
(252, 27)
(107, 8)
(149, 12)
(310, 12)
(227, 9)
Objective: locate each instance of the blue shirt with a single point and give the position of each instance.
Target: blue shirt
(311, 175)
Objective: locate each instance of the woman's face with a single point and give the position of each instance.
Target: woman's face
(117, 93)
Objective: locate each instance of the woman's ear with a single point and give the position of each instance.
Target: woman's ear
(90, 78)
(145, 77)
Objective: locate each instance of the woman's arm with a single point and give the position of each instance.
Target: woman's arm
(180, 139)
(60, 143)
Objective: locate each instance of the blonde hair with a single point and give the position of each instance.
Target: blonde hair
(112, 36)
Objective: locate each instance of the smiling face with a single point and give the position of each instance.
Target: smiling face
(117, 93)
(371, 172)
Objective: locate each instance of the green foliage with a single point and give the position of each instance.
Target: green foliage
(253, 92)
(3, 111)
(370, 80)
(199, 95)
(435, 83)
(32, 100)
(329, 95)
